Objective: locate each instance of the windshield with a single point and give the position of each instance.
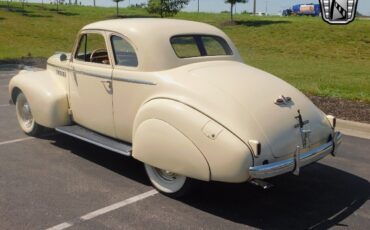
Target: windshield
(187, 46)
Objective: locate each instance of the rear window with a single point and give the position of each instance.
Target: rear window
(186, 46)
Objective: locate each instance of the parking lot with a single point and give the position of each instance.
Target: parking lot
(57, 181)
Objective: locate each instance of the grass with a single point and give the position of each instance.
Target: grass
(315, 57)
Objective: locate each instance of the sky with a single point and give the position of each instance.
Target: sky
(272, 6)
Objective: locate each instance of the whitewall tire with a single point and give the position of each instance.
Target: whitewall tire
(25, 118)
(168, 183)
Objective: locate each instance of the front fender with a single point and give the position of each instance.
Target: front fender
(173, 136)
(46, 96)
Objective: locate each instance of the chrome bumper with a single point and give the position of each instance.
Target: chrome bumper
(291, 164)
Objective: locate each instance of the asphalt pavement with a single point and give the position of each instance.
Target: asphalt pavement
(57, 181)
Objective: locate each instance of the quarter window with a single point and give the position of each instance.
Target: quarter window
(124, 53)
(186, 46)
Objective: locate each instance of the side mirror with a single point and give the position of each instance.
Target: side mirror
(62, 57)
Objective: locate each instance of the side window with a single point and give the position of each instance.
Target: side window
(185, 46)
(124, 53)
(215, 46)
(92, 48)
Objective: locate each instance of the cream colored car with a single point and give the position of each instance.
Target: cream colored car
(176, 96)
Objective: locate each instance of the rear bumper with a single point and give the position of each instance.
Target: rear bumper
(292, 164)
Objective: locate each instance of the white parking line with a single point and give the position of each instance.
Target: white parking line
(104, 210)
(16, 140)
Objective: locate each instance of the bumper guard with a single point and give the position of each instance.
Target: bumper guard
(295, 163)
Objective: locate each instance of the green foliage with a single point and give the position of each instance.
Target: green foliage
(166, 8)
(232, 4)
(315, 57)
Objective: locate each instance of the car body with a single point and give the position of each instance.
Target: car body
(177, 94)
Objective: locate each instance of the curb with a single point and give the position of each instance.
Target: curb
(353, 128)
(16, 67)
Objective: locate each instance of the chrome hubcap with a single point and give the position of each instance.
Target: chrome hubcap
(166, 175)
(25, 112)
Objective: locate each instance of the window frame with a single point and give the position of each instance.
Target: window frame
(77, 47)
(114, 52)
(200, 45)
(82, 36)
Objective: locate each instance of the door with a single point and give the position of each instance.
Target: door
(130, 92)
(91, 84)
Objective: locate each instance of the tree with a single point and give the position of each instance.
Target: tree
(166, 8)
(232, 4)
(117, 1)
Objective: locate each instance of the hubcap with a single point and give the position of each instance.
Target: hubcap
(25, 113)
(166, 175)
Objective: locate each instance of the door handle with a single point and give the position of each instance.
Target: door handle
(109, 87)
(108, 82)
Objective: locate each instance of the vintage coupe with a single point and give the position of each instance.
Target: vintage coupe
(176, 96)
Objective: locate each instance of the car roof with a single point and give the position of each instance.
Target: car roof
(151, 38)
(152, 25)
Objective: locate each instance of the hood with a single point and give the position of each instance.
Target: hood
(241, 98)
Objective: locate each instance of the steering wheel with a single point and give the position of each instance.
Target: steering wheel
(94, 52)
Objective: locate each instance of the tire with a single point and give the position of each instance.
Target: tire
(25, 118)
(170, 184)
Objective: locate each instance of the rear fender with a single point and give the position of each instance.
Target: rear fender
(176, 137)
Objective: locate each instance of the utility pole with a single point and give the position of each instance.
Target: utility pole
(254, 7)
(266, 8)
(198, 6)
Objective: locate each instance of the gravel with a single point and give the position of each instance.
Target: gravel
(344, 109)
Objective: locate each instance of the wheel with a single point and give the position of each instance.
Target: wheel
(169, 183)
(25, 118)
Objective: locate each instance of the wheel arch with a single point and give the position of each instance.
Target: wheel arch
(47, 98)
(227, 157)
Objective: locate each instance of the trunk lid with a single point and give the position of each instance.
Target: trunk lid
(233, 84)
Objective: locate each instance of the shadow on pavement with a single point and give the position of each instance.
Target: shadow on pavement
(125, 166)
(318, 199)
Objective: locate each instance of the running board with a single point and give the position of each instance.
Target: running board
(96, 139)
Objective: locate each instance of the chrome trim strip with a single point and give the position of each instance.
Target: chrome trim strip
(91, 74)
(95, 143)
(288, 165)
(81, 72)
(134, 81)
(59, 67)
